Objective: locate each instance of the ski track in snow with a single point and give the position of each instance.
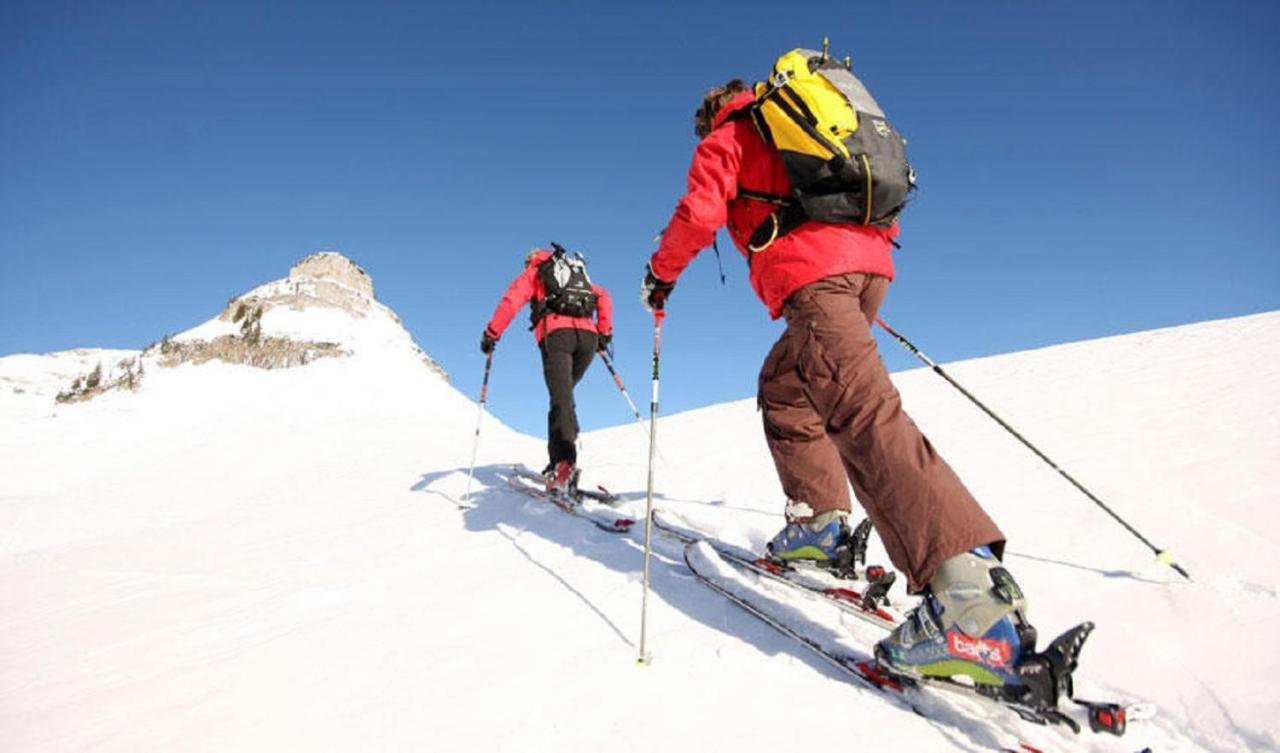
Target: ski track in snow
(236, 559)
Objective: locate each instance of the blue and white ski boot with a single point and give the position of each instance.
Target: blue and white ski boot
(971, 624)
(971, 631)
(825, 542)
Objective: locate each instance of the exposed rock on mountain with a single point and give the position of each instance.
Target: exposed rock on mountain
(324, 309)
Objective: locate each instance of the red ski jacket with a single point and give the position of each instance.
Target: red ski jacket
(734, 155)
(528, 287)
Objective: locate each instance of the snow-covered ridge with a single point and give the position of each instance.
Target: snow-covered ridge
(28, 380)
(27, 373)
(324, 309)
(326, 299)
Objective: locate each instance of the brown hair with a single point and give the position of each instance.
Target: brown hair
(711, 104)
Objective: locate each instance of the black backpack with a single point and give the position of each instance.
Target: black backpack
(568, 287)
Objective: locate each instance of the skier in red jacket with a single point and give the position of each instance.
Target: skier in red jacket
(568, 337)
(832, 417)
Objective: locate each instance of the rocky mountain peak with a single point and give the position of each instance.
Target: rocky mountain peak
(324, 309)
(333, 267)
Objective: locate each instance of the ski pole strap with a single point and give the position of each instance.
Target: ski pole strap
(715, 246)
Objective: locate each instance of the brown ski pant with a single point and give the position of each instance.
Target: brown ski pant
(831, 413)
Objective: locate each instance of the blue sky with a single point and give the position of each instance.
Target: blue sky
(1087, 168)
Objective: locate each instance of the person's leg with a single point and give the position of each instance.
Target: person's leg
(971, 621)
(581, 347)
(557, 369)
(921, 510)
(584, 353)
(807, 462)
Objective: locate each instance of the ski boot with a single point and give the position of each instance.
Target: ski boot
(970, 631)
(562, 480)
(825, 541)
(970, 624)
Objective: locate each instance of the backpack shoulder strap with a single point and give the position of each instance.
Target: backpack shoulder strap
(768, 198)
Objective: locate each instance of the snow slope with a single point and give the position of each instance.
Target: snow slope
(239, 559)
(29, 383)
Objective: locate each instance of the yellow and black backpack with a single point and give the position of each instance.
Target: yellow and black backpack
(846, 162)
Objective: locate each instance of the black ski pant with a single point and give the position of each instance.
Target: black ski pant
(566, 354)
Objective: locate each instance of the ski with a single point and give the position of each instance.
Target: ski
(869, 603)
(599, 494)
(576, 504)
(923, 695)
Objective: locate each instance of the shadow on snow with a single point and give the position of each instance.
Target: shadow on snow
(496, 507)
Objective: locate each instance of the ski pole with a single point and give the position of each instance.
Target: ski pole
(608, 362)
(475, 445)
(658, 315)
(1163, 556)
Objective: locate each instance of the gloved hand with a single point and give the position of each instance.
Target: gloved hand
(604, 344)
(654, 292)
(488, 341)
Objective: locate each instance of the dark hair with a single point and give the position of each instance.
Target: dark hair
(711, 104)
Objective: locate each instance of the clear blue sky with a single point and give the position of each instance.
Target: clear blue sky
(1087, 168)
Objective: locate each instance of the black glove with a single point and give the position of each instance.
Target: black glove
(654, 292)
(604, 344)
(488, 341)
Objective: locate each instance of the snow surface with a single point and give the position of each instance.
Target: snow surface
(29, 383)
(239, 559)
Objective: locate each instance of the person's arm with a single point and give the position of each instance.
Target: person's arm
(712, 184)
(604, 310)
(519, 292)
